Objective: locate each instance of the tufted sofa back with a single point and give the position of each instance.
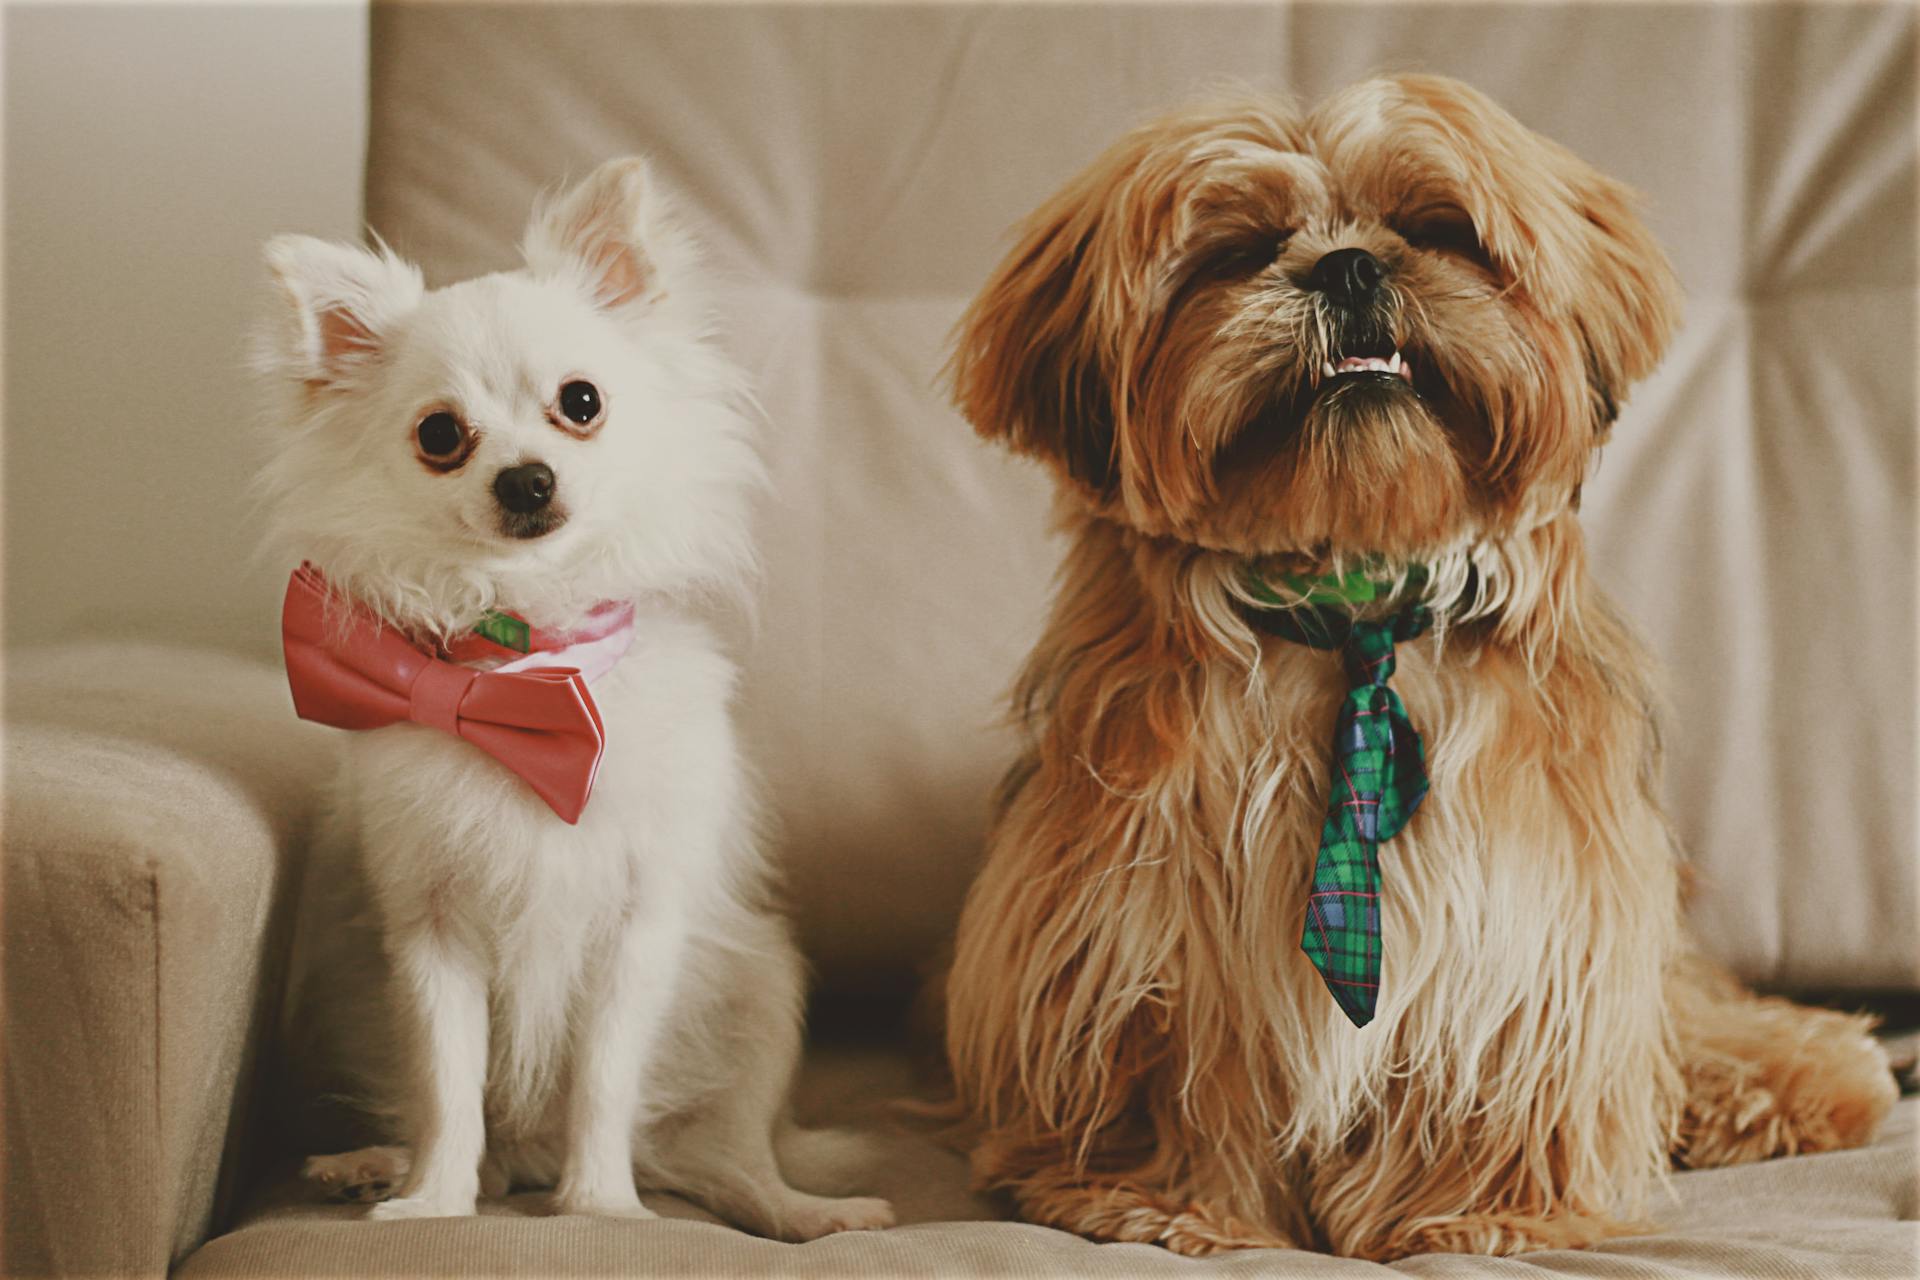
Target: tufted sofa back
(855, 170)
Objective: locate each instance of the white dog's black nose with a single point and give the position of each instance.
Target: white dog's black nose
(524, 489)
(1349, 277)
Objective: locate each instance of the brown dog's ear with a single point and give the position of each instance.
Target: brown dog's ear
(1632, 303)
(1026, 365)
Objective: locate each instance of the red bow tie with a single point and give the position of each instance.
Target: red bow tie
(350, 670)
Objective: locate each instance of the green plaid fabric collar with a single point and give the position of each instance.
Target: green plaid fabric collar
(1379, 774)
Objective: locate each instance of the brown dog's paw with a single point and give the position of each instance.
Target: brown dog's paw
(1129, 1214)
(1200, 1234)
(1491, 1234)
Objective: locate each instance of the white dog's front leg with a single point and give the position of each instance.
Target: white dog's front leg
(625, 1009)
(442, 999)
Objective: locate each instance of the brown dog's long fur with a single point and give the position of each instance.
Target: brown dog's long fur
(1142, 1048)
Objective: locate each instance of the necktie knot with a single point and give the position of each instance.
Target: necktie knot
(1368, 654)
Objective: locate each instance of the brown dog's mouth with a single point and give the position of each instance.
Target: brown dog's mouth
(1391, 365)
(1365, 372)
(1354, 379)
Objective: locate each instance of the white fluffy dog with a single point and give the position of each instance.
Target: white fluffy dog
(548, 1003)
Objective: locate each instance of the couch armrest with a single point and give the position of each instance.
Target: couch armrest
(156, 806)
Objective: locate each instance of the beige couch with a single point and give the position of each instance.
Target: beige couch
(855, 169)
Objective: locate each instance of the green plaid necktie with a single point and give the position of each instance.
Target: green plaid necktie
(1379, 778)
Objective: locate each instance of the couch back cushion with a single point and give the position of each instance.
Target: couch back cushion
(855, 169)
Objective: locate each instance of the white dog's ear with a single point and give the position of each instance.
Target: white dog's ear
(607, 234)
(336, 305)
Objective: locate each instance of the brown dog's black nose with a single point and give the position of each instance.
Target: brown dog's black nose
(524, 489)
(1349, 277)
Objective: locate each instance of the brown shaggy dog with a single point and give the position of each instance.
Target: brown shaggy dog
(1142, 1048)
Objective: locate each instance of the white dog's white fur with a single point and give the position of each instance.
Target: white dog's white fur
(547, 1004)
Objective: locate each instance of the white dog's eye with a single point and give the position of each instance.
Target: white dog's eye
(580, 402)
(443, 440)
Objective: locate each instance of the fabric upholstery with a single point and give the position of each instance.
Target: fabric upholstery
(155, 803)
(1848, 1214)
(856, 169)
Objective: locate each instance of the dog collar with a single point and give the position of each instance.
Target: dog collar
(1364, 585)
(505, 641)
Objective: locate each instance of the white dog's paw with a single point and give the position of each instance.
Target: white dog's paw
(421, 1206)
(601, 1205)
(821, 1217)
(360, 1177)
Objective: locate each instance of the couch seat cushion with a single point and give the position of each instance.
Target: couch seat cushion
(1850, 1213)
